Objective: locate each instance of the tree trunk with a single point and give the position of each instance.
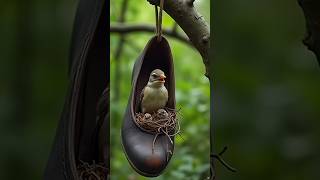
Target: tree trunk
(311, 10)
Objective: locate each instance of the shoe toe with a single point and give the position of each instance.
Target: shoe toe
(145, 158)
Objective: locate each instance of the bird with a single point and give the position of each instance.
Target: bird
(154, 95)
(147, 117)
(162, 113)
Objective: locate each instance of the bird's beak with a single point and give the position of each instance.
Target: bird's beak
(162, 77)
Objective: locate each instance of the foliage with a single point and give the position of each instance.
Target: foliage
(35, 38)
(266, 91)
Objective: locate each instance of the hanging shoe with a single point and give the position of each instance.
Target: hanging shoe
(148, 155)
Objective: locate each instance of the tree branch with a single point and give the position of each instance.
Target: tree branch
(192, 24)
(126, 28)
(312, 15)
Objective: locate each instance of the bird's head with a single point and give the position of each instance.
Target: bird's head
(157, 78)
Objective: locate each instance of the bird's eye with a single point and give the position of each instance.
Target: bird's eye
(154, 75)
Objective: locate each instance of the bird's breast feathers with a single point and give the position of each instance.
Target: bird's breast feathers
(154, 98)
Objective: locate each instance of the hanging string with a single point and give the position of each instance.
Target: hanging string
(159, 20)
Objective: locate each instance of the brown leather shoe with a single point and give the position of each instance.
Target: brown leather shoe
(138, 143)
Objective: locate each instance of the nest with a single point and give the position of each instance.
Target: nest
(164, 121)
(93, 171)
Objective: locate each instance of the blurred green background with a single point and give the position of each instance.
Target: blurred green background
(35, 38)
(191, 155)
(267, 85)
(267, 105)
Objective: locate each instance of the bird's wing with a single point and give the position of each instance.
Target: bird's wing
(141, 97)
(142, 94)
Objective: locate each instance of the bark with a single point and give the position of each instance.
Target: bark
(312, 15)
(192, 23)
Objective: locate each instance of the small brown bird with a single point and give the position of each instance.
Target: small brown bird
(154, 95)
(162, 113)
(147, 117)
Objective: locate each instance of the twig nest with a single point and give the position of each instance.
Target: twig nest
(163, 121)
(88, 171)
